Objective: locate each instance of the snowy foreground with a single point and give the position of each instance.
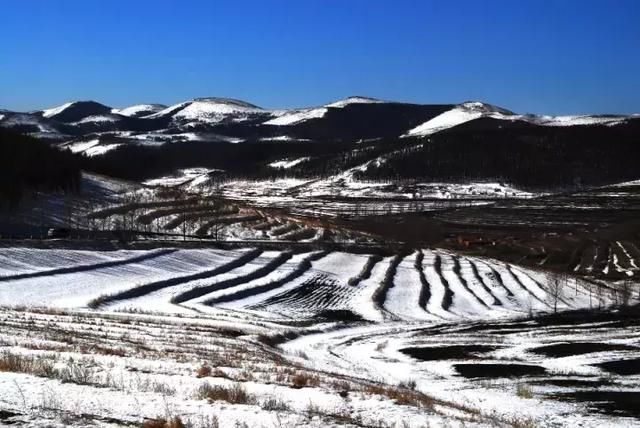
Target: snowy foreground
(276, 338)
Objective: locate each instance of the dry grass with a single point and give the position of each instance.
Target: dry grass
(174, 422)
(37, 366)
(524, 391)
(303, 379)
(235, 394)
(275, 404)
(203, 371)
(206, 370)
(401, 396)
(78, 372)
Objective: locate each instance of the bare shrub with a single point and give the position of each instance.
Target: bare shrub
(37, 366)
(401, 396)
(408, 384)
(235, 394)
(76, 372)
(275, 404)
(524, 391)
(203, 371)
(174, 422)
(303, 379)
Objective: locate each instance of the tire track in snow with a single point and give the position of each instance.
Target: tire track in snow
(88, 267)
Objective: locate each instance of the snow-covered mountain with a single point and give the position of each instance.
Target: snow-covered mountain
(293, 117)
(461, 113)
(472, 110)
(75, 111)
(231, 120)
(209, 111)
(139, 110)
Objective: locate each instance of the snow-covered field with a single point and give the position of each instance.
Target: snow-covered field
(322, 338)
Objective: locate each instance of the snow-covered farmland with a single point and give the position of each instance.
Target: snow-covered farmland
(313, 338)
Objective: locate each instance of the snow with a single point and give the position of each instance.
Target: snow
(353, 100)
(209, 110)
(139, 110)
(288, 163)
(283, 138)
(77, 289)
(81, 146)
(56, 110)
(101, 149)
(181, 177)
(141, 354)
(293, 117)
(458, 115)
(577, 120)
(19, 119)
(474, 110)
(98, 119)
(297, 116)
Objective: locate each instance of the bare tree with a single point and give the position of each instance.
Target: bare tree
(217, 198)
(556, 283)
(626, 291)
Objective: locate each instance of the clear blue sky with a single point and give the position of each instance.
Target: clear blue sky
(558, 57)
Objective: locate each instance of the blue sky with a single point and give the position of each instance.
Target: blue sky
(557, 57)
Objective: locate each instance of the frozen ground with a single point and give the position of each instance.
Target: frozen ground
(275, 338)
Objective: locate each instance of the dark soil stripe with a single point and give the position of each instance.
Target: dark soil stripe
(380, 295)
(93, 266)
(447, 299)
(159, 285)
(302, 267)
(479, 278)
(232, 282)
(524, 287)
(204, 229)
(499, 279)
(425, 289)
(365, 273)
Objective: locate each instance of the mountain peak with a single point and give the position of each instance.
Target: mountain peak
(226, 101)
(355, 99)
(75, 110)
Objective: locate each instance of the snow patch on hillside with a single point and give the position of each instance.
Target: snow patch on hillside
(576, 120)
(354, 100)
(56, 110)
(297, 116)
(474, 110)
(139, 110)
(288, 163)
(213, 110)
(181, 177)
(102, 118)
(458, 115)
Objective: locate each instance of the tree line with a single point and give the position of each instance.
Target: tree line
(28, 166)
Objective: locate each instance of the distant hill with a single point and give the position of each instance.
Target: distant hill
(363, 137)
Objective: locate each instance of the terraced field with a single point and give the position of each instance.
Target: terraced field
(208, 218)
(423, 285)
(318, 338)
